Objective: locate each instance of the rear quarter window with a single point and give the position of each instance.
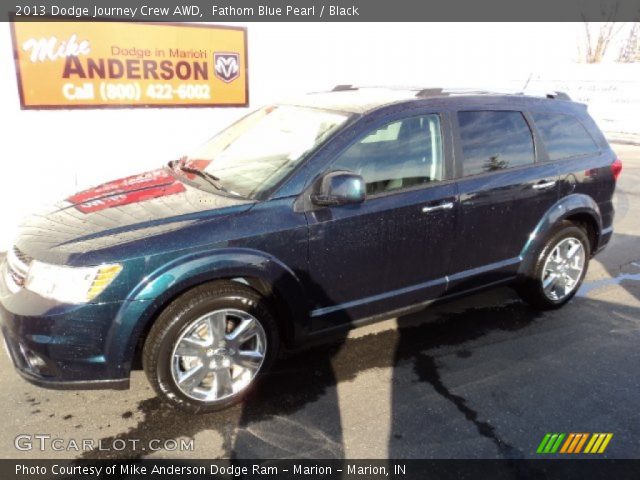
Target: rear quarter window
(564, 136)
(494, 140)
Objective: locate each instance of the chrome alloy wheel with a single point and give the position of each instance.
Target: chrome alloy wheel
(218, 355)
(563, 269)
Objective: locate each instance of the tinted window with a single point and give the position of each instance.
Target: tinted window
(493, 140)
(563, 135)
(398, 155)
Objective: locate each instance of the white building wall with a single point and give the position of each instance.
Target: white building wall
(48, 154)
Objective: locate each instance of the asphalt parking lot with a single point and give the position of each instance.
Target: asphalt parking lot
(483, 377)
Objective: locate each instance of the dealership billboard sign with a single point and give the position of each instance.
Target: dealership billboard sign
(117, 64)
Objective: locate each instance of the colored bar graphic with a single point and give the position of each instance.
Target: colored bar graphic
(596, 446)
(597, 443)
(605, 443)
(558, 442)
(578, 437)
(550, 443)
(591, 443)
(582, 440)
(543, 443)
(565, 447)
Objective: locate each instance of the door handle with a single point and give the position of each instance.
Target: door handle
(543, 185)
(441, 206)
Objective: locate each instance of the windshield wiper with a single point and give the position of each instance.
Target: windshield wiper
(210, 178)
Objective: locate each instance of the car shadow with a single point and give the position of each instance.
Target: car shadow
(622, 270)
(294, 411)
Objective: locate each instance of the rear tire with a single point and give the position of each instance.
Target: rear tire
(560, 267)
(208, 348)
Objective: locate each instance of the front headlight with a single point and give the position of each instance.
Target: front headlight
(70, 284)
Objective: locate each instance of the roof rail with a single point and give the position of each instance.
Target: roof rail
(439, 92)
(559, 95)
(446, 92)
(342, 88)
(430, 92)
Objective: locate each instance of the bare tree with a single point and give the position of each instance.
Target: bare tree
(630, 51)
(597, 45)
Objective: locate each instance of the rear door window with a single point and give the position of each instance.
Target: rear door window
(563, 136)
(494, 140)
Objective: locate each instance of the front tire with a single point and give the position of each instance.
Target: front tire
(209, 346)
(559, 269)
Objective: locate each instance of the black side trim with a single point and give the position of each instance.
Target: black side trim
(53, 384)
(321, 336)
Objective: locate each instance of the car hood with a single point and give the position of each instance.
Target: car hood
(118, 212)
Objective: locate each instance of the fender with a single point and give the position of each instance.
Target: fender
(177, 276)
(573, 204)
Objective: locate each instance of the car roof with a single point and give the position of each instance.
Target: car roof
(360, 100)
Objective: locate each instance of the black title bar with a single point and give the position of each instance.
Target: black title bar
(566, 469)
(319, 11)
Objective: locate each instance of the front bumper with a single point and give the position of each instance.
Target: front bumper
(45, 372)
(61, 346)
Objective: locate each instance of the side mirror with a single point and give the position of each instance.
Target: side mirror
(340, 188)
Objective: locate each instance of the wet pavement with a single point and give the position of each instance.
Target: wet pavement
(481, 377)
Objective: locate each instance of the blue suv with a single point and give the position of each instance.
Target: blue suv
(299, 220)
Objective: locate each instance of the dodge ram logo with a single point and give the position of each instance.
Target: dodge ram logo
(227, 66)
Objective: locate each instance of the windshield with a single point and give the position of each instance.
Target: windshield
(251, 156)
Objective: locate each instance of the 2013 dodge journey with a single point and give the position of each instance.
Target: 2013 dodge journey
(301, 219)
